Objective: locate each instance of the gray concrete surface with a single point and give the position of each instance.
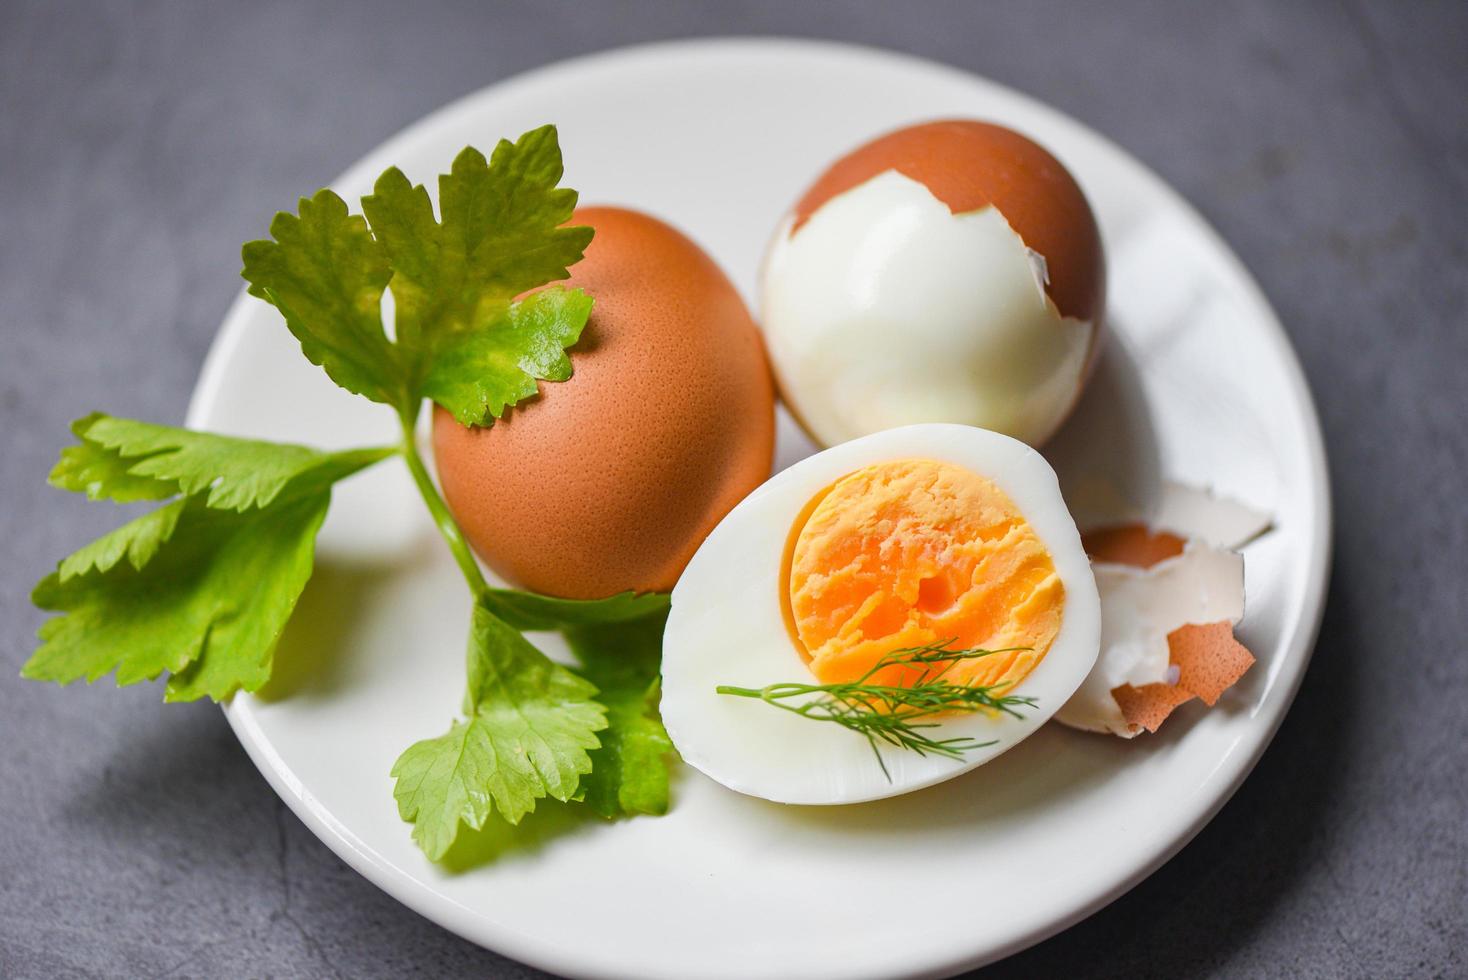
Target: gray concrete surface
(141, 143)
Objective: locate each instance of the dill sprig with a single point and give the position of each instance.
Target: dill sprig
(894, 713)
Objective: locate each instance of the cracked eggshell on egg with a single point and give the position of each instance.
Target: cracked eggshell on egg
(947, 272)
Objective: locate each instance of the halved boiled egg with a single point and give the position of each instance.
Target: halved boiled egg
(928, 537)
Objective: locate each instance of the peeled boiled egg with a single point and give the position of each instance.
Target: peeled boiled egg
(946, 272)
(925, 535)
(608, 481)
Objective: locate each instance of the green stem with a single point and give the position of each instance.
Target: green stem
(447, 526)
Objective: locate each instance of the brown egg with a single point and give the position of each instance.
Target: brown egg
(951, 271)
(968, 165)
(610, 481)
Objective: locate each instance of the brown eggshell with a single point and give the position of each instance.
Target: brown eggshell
(1149, 705)
(969, 165)
(1208, 657)
(610, 481)
(1131, 544)
(1209, 661)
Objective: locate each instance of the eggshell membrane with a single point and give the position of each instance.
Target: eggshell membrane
(726, 626)
(610, 480)
(1172, 514)
(1197, 512)
(968, 165)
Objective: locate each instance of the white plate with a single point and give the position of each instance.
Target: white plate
(718, 137)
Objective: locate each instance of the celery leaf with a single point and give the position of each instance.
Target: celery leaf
(528, 728)
(463, 342)
(238, 474)
(477, 374)
(532, 611)
(326, 274)
(205, 601)
(630, 772)
(209, 577)
(102, 473)
(459, 335)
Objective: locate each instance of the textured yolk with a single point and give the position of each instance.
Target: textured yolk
(909, 553)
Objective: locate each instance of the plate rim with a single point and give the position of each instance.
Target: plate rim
(1234, 767)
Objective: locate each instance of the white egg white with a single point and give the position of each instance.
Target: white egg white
(726, 627)
(886, 309)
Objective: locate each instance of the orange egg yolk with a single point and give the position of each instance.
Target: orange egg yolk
(916, 552)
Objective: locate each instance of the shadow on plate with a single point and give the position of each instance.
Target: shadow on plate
(551, 821)
(316, 647)
(1049, 768)
(1106, 454)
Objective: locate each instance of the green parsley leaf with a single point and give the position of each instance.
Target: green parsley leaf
(463, 342)
(477, 374)
(458, 336)
(123, 458)
(102, 473)
(501, 235)
(531, 611)
(210, 577)
(326, 274)
(629, 773)
(138, 540)
(530, 725)
(207, 588)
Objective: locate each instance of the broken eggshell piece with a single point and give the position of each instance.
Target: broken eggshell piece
(1171, 590)
(1178, 511)
(1194, 512)
(1152, 656)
